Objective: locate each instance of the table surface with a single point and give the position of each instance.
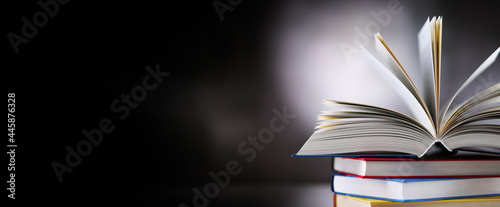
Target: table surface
(246, 195)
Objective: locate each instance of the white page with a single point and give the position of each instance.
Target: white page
(490, 60)
(437, 39)
(483, 97)
(393, 64)
(418, 113)
(427, 68)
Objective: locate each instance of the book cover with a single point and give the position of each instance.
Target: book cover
(415, 189)
(416, 168)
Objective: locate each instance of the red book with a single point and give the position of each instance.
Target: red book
(416, 168)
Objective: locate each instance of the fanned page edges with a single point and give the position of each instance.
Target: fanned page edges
(418, 112)
(481, 107)
(395, 67)
(445, 114)
(472, 124)
(361, 128)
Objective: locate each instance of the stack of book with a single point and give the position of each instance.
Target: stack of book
(388, 158)
(416, 182)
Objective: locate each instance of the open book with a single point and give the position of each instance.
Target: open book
(360, 128)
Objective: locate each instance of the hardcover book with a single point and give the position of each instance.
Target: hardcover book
(414, 168)
(415, 189)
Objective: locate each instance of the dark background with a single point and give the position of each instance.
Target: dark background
(222, 88)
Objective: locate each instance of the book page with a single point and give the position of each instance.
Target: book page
(477, 108)
(484, 136)
(427, 69)
(417, 110)
(397, 69)
(437, 60)
(445, 115)
(367, 111)
(361, 128)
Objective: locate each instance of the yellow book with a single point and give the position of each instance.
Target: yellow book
(351, 201)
